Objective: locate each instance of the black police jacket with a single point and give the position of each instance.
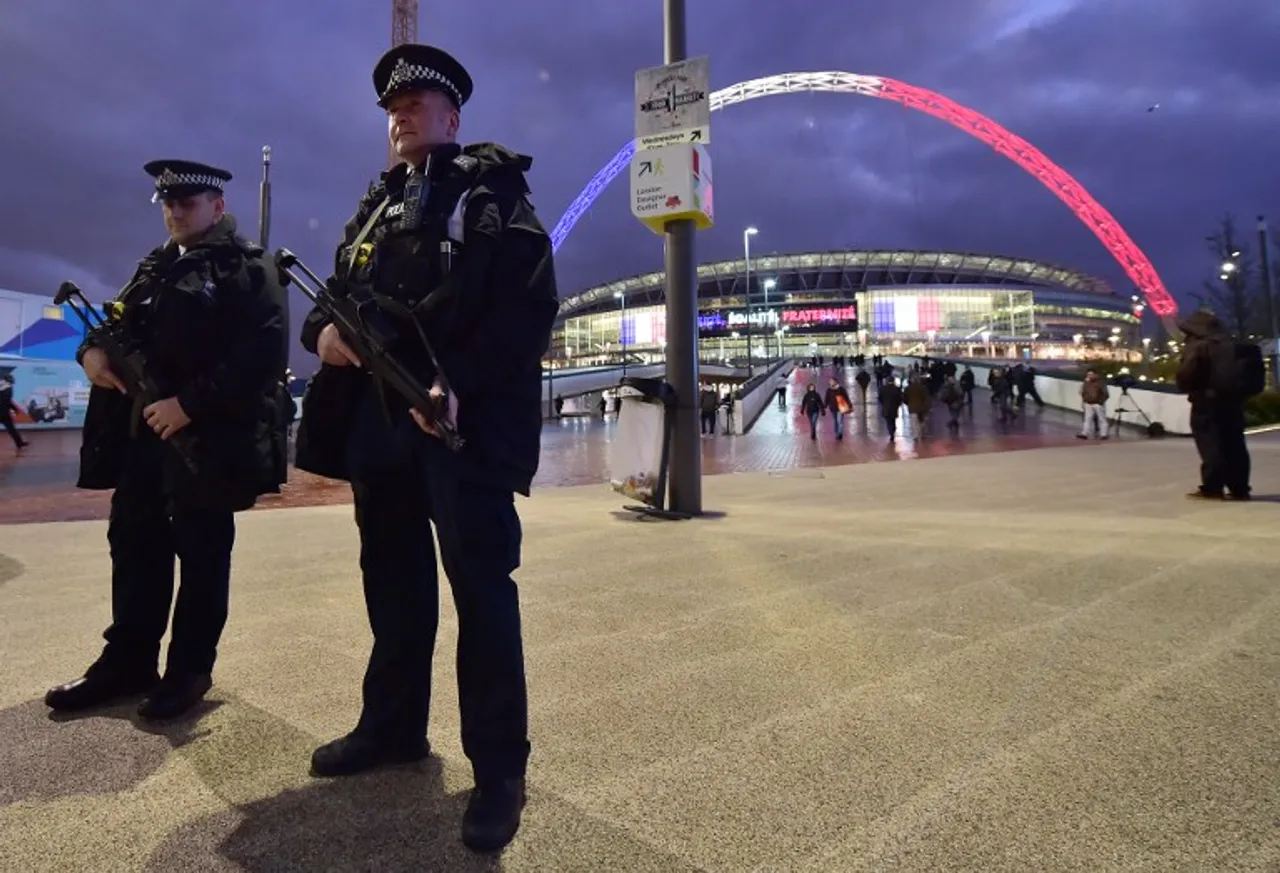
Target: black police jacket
(213, 324)
(490, 331)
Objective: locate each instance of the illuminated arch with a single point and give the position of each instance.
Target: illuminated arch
(1015, 148)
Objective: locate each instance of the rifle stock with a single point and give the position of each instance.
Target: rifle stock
(363, 327)
(129, 364)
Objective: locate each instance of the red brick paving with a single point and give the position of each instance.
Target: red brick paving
(39, 485)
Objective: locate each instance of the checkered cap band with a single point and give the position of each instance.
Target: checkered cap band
(170, 179)
(406, 73)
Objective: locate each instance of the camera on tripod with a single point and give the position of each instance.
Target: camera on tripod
(1124, 380)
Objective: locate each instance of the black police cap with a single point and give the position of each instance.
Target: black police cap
(178, 179)
(415, 67)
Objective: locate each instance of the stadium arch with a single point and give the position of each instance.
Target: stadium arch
(1105, 227)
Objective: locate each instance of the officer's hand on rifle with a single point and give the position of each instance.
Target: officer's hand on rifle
(333, 351)
(166, 417)
(448, 402)
(99, 372)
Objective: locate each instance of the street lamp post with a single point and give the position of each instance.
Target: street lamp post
(769, 285)
(622, 330)
(746, 254)
(551, 381)
(1268, 290)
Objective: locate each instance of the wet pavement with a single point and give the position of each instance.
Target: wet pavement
(39, 485)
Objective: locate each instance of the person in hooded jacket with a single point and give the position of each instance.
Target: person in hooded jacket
(1208, 374)
(209, 313)
(812, 407)
(449, 248)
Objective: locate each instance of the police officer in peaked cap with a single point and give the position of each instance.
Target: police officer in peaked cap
(209, 314)
(448, 244)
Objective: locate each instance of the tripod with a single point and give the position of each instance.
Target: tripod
(1121, 411)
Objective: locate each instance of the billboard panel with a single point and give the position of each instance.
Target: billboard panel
(32, 327)
(47, 394)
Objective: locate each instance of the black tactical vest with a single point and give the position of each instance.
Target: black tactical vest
(410, 249)
(417, 233)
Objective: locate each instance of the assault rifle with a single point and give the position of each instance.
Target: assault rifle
(110, 333)
(364, 327)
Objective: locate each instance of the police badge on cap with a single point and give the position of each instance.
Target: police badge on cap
(178, 179)
(414, 67)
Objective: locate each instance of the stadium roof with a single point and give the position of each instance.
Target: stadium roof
(851, 270)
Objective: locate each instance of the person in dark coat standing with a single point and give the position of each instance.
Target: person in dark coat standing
(1208, 374)
(890, 406)
(209, 313)
(7, 409)
(474, 326)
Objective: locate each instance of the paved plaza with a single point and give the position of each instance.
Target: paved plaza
(39, 485)
(1025, 661)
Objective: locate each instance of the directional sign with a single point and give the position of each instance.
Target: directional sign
(673, 104)
(670, 183)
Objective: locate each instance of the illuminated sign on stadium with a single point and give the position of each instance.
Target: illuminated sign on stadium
(830, 317)
(833, 315)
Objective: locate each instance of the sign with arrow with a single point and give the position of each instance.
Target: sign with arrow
(673, 104)
(670, 183)
(650, 168)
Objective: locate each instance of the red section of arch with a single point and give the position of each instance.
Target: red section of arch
(1053, 177)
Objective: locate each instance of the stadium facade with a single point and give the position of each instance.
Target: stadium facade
(844, 302)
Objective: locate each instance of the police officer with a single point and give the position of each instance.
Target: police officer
(210, 316)
(1209, 373)
(449, 246)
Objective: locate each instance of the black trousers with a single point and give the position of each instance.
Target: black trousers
(891, 422)
(1218, 430)
(405, 484)
(147, 530)
(6, 419)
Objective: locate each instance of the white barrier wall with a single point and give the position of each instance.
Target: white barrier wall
(748, 409)
(1171, 410)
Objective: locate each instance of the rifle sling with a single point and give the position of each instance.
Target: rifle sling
(446, 290)
(352, 254)
(363, 234)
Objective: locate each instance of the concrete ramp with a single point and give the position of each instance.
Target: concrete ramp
(574, 383)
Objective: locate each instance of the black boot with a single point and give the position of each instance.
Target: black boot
(357, 752)
(493, 815)
(100, 686)
(175, 695)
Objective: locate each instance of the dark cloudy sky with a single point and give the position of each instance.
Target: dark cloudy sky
(95, 89)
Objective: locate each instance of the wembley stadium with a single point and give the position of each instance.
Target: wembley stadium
(847, 302)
